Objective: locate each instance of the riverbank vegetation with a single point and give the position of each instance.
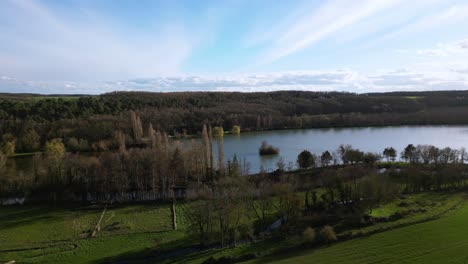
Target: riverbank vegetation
(88, 123)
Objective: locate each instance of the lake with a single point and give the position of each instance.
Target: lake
(292, 142)
(373, 139)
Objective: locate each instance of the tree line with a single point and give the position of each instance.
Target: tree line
(87, 123)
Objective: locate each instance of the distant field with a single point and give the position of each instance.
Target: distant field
(440, 241)
(63, 97)
(413, 97)
(36, 97)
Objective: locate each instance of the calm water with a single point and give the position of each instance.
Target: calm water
(375, 139)
(292, 142)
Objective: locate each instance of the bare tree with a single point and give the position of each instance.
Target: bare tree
(136, 125)
(463, 155)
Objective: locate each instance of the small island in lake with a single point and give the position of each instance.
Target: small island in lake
(267, 149)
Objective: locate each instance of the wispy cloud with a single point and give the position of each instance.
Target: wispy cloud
(92, 47)
(42, 43)
(445, 49)
(449, 16)
(318, 24)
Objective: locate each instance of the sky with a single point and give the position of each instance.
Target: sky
(94, 47)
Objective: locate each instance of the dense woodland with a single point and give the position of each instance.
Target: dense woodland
(88, 123)
(135, 155)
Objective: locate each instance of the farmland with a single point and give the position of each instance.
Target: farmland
(444, 240)
(143, 232)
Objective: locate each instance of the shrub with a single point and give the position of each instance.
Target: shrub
(9, 148)
(308, 236)
(266, 149)
(305, 159)
(218, 131)
(55, 148)
(327, 234)
(236, 130)
(73, 144)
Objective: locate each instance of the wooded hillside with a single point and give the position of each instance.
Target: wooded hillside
(96, 118)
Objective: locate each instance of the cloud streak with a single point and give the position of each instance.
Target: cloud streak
(333, 80)
(47, 44)
(96, 47)
(319, 24)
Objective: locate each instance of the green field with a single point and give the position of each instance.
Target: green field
(139, 232)
(444, 240)
(32, 234)
(426, 207)
(413, 97)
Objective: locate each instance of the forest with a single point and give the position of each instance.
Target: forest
(88, 123)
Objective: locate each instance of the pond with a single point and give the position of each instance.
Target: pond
(372, 139)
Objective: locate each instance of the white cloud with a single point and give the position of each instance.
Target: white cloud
(333, 80)
(459, 69)
(45, 50)
(445, 49)
(5, 78)
(46, 44)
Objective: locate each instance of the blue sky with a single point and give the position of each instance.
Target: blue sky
(92, 47)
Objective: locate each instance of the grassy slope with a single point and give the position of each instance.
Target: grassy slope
(433, 204)
(60, 235)
(48, 235)
(440, 241)
(33, 234)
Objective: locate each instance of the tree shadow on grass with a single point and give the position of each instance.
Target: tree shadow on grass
(183, 253)
(287, 253)
(177, 249)
(15, 216)
(26, 216)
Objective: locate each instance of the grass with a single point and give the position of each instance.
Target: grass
(413, 97)
(35, 234)
(417, 208)
(444, 240)
(432, 203)
(45, 234)
(56, 97)
(37, 97)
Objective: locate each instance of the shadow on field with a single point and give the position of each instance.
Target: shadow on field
(22, 215)
(286, 254)
(25, 216)
(148, 256)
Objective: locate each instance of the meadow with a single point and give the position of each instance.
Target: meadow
(444, 240)
(143, 233)
(35, 234)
